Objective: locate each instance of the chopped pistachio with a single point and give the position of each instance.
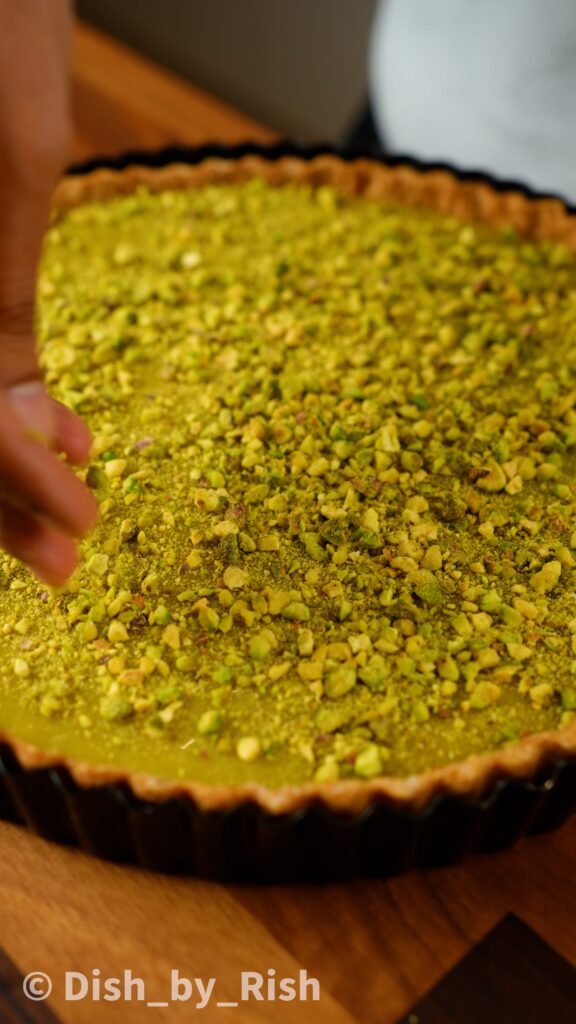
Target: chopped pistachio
(569, 698)
(117, 632)
(519, 652)
(448, 688)
(297, 611)
(168, 694)
(88, 630)
(98, 564)
(491, 601)
(329, 771)
(162, 615)
(209, 722)
(565, 557)
(313, 547)
(248, 748)
(255, 495)
(338, 651)
(492, 478)
(547, 578)
(448, 668)
(310, 670)
(527, 609)
(405, 564)
(432, 559)
(462, 625)
(420, 712)
(541, 694)
(375, 672)
(235, 578)
(340, 681)
(344, 610)
(208, 618)
(487, 657)
(318, 467)
(268, 542)
(330, 719)
(115, 708)
(260, 647)
(485, 694)
(368, 762)
(171, 636)
(481, 621)
(115, 468)
(427, 587)
(511, 616)
(279, 670)
(305, 642)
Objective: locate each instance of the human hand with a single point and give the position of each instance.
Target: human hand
(43, 505)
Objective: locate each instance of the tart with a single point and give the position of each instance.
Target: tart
(334, 418)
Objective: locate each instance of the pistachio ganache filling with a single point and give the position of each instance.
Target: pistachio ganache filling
(334, 450)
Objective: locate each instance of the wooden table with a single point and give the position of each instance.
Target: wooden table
(122, 101)
(375, 947)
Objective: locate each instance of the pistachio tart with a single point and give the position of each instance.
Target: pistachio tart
(334, 416)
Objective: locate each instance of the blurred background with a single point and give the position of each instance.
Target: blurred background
(224, 70)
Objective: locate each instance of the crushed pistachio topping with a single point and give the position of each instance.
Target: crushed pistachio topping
(334, 454)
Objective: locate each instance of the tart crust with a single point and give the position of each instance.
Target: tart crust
(474, 200)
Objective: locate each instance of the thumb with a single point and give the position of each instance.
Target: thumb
(20, 375)
(34, 409)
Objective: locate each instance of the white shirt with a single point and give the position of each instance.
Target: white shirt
(486, 85)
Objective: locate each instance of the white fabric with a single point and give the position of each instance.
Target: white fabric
(483, 84)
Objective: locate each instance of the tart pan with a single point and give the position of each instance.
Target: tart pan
(323, 831)
(248, 843)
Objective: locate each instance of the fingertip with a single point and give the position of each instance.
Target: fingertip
(50, 555)
(90, 513)
(71, 434)
(55, 564)
(34, 410)
(90, 524)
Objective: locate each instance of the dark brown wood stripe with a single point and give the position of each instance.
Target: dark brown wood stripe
(512, 975)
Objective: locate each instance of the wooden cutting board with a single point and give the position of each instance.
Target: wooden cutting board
(376, 947)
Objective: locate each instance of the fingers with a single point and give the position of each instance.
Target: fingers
(49, 554)
(31, 477)
(50, 422)
(44, 504)
(18, 357)
(34, 408)
(71, 435)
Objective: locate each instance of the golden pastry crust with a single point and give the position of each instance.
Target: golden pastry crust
(536, 219)
(470, 779)
(440, 190)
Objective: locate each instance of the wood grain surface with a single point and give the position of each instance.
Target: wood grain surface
(375, 947)
(478, 989)
(122, 101)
